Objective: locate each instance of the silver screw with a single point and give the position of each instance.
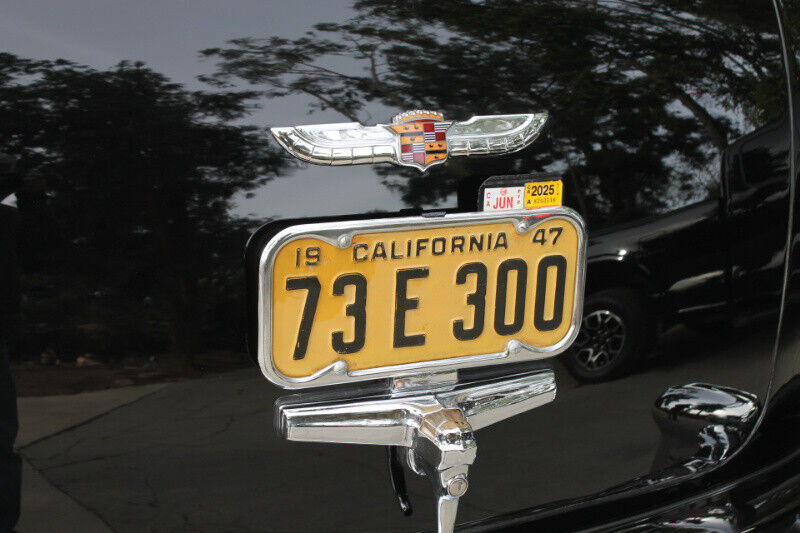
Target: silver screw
(457, 486)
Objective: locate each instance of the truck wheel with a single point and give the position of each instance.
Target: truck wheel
(615, 332)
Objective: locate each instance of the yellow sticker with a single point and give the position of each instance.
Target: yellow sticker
(543, 194)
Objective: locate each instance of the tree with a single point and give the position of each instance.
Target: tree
(652, 89)
(125, 197)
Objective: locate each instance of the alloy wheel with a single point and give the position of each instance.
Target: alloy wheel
(600, 340)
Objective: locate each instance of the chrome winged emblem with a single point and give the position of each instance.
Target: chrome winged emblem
(418, 139)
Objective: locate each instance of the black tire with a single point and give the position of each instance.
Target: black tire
(616, 332)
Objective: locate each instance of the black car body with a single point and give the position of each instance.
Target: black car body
(144, 166)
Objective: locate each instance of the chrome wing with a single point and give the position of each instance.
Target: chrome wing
(351, 143)
(347, 143)
(494, 134)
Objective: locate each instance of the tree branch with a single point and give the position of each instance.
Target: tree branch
(330, 103)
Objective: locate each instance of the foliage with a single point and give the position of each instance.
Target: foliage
(654, 88)
(127, 179)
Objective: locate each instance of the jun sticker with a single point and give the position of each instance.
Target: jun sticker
(503, 198)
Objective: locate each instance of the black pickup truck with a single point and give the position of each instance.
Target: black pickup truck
(703, 265)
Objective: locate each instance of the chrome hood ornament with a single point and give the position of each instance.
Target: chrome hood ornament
(418, 139)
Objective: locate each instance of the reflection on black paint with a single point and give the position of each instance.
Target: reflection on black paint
(124, 183)
(668, 125)
(630, 136)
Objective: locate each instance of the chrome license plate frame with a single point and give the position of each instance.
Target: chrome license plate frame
(341, 235)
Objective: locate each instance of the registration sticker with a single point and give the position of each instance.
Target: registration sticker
(503, 198)
(543, 194)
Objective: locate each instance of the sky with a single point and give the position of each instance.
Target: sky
(167, 35)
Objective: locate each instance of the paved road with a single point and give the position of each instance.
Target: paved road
(202, 455)
(44, 506)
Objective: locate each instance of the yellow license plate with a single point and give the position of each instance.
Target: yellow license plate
(543, 194)
(385, 295)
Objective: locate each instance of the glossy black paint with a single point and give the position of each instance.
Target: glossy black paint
(670, 126)
(10, 463)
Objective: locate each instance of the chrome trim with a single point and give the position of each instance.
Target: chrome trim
(436, 428)
(425, 382)
(494, 134)
(697, 405)
(702, 307)
(708, 517)
(347, 143)
(341, 234)
(351, 143)
(712, 420)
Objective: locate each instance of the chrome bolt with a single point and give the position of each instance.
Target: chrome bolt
(457, 486)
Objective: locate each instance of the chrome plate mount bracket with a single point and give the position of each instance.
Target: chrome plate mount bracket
(432, 417)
